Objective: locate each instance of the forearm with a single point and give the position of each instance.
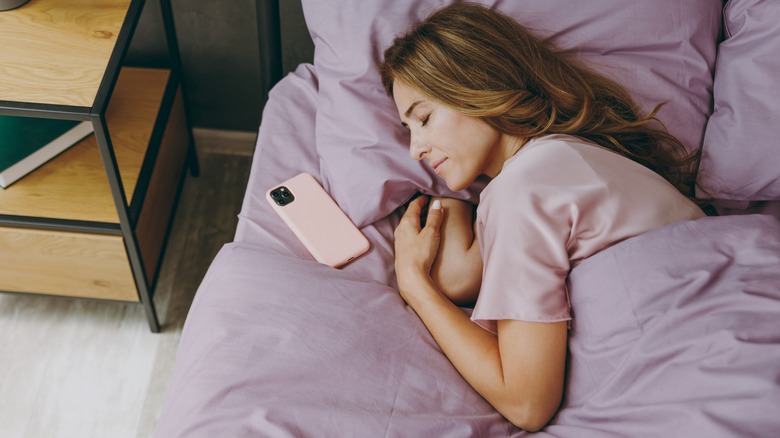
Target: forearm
(457, 269)
(472, 350)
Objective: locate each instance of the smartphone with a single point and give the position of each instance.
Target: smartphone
(317, 221)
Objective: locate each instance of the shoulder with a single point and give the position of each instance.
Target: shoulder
(546, 149)
(550, 158)
(552, 164)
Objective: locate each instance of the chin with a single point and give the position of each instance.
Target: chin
(457, 186)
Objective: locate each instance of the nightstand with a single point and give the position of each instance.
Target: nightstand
(92, 222)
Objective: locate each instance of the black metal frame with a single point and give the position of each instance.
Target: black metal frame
(128, 213)
(270, 42)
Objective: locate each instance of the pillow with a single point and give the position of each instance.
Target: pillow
(741, 142)
(662, 50)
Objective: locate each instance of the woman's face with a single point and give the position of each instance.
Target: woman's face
(459, 148)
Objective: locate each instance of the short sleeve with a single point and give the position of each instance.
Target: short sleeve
(556, 202)
(528, 218)
(523, 238)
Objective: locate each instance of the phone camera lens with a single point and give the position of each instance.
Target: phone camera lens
(282, 196)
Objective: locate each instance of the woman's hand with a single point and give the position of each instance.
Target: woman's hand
(416, 246)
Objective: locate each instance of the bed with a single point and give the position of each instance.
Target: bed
(676, 332)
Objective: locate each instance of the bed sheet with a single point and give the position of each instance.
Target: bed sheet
(278, 345)
(286, 147)
(674, 334)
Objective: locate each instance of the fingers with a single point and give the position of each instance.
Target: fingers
(435, 216)
(414, 211)
(415, 207)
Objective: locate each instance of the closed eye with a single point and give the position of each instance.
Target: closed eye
(423, 123)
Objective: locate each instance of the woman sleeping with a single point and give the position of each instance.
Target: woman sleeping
(574, 169)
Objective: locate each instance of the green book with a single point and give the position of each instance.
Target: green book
(27, 142)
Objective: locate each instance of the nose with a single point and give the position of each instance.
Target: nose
(418, 149)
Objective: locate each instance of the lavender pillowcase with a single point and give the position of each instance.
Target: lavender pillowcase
(739, 157)
(661, 51)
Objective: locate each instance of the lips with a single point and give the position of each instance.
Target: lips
(436, 164)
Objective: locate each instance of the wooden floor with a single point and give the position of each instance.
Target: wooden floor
(76, 368)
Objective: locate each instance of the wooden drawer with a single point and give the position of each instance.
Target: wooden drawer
(64, 263)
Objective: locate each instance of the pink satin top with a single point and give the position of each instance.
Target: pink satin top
(557, 201)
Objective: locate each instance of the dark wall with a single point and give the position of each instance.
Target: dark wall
(218, 41)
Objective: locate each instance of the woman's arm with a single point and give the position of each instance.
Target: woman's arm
(520, 371)
(457, 269)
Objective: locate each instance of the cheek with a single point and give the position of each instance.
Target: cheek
(455, 135)
(469, 139)
(480, 137)
(448, 125)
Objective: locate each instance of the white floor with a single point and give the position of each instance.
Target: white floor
(76, 368)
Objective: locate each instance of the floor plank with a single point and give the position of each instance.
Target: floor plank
(78, 368)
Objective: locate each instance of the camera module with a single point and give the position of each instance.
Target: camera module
(282, 196)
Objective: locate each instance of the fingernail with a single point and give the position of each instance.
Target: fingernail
(436, 205)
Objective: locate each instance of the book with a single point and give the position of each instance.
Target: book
(26, 143)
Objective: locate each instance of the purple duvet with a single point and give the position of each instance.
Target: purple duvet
(676, 332)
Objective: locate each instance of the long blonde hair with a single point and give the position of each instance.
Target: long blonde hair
(483, 63)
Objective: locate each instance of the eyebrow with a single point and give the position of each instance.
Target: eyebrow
(411, 108)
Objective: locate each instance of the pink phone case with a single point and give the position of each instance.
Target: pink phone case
(317, 221)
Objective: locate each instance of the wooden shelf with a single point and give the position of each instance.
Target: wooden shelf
(73, 185)
(56, 51)
(84, 224)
